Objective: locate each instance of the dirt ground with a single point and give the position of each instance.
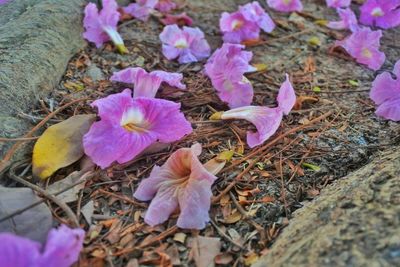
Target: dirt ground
(332, 133)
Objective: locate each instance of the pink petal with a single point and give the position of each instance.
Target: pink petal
(170, 34)
(180, 19)
(390, 109)
(384, 87)
(173, 79)
(113, 106)
(255, 13)
(286, 97)
(94, 32)
(348, 20)
(237, 29)
(162, 206)
(148, 187)
(384, 14)
(165, 5)
(141, 9)
(285, 5)
(170, 52)
(18, 251)
(338, 3)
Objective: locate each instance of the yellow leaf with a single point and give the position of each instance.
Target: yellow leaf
(252, 258)
(225, 155)
(314, 41)
(260, 66)
(60, 145)
(216, 164)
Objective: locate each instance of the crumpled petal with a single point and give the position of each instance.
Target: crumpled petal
(255, 13)
(162, 206)
(338, 3)
(286, 97)
(141, 9)
(14, 251)
(285, 5)
(348, 20)
(180, 19)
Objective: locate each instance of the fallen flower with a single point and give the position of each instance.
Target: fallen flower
(285, 5)
(147, 84)
(102, 26)
(265, 119)
(385, 93)
(165, 5)
(3, 1)
(182, 181)
(383, 14)
(255, 13)
(141, 9)
(180, 19)
(338, 3)
(128, 126)
(348, 20)
(226, 68)
(187, 44)
(363, 45)
(61, 250)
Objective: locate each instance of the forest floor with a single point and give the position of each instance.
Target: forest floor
(332, 132)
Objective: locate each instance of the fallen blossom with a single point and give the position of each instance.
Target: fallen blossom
(181, 182)
(348, 20)
(187, 44)
(165, 5)
(285, 5)
(363, 45)
(338, 3)
(385, 93)
(226, 68)
(141, 9)
(102, 26)
(255, 13)
(265, 119)
(128, 126)
(147, 84)
(180, 19)
(383, 14)
(62, 249)
(3, 2)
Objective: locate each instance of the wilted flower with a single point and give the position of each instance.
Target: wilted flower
(147, 84)
(383, 14)
(181, 182)
(62, 249)
(128, 126)
(141, 9)
(385, 93)
(363, 45)
(285, 5)
(348, 20)
(338, 3)
(265, 119)
(187, 44)
(226, 68)
(180, 19)
(165, 5)
(245, 24)
(102, 26)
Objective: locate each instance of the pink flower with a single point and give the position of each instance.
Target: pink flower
(188, 45)
(348, 20)
(245, 24)
(285, 5)
(363, 45)
(147, 84)
(165, 5)
(226, 68)
(3, 1)
(385, 93)
(102, 26)
(180, 19)
(128, 126)
(141, 9)
(62, 249)
(383, 14)
(265, 119)
(338, 3)
(182, 181)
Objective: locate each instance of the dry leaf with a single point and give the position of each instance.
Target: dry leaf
(60, 145)
(70, 195)
(233, 218)
(180, 237)
(223, 259)
(204, 250)
(250, 259)
(301, 100)
(216, 164)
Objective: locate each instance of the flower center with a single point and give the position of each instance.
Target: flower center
(366, 53)
(181, 43)
(133, 121)
(377, 12)
(237, 24)
(287, 2)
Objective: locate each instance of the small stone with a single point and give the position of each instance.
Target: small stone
(95, 73)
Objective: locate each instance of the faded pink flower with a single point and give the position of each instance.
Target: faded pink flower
(255, 13)
(102, 26)
(128, 126)
(265, 119)
(180, 19)
(147, 84)
(187, 44)
(3, 1)
(363, 45)
(348, 20)
(181, 182)
(338, 3)
(141, 9)
(226, 68)
(383, 13)
(285, 5)
(385, 93)
(61, 250)
(165, 5)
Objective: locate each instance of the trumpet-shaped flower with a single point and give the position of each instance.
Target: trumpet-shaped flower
(338, 3)
(147, 84)
(385, 93)
(348, 20)
(141, 9)
(128, 126)
(181, 182)
(383, 14)
(187, 44)
(363, 45)
(180, 19)
(102, 26)
(226, 68)
(165, 5)
(285, 5)
(245, 24)
(265, 119)
(62, 249)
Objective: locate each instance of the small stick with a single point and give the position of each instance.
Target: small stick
(123, 198)
(219, 230)
(4, 139)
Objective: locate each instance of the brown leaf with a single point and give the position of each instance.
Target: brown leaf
(301, 100)
(223, 259)
(204, 250)
(309, 65)
(233, 218)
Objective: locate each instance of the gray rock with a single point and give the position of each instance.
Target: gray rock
(95, 73)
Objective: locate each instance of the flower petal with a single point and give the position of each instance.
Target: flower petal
(162, 206)
(113, 106)
(384, 87)
(286, 96)
(148, 187)
(390, 109)
(18, 251)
